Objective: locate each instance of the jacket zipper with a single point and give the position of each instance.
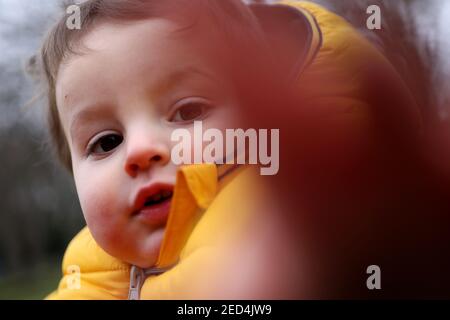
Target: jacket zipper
(138, 276)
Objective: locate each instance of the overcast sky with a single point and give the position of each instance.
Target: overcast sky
(445, 31)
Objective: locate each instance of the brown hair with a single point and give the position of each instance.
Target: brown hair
(232, 18)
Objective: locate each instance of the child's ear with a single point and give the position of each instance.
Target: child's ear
(288, 32)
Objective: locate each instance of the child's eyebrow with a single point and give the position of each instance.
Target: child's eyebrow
(175, 78)
(86, 114)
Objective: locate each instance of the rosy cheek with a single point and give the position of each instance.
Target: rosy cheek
(98, 194)
(96, 207)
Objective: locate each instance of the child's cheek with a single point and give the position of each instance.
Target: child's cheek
(100, 201)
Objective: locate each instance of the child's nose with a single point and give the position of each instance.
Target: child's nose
(143, 153)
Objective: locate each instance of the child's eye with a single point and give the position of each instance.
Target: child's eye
(190, 111)
(105, 144)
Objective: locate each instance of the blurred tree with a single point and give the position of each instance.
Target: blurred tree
(409, 37)
(39, 210)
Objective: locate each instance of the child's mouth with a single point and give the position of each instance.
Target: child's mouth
(155, 208)
(158, 198)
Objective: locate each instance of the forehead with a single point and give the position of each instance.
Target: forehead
(131, 55)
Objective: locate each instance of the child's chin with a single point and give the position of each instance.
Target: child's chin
(149, 255)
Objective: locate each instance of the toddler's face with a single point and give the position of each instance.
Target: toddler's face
(119, 102)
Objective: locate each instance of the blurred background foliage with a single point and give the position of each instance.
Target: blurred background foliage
(39, 209)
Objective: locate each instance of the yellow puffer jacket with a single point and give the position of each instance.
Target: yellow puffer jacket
(207, 209)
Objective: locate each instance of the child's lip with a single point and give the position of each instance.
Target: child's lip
(156, 213)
